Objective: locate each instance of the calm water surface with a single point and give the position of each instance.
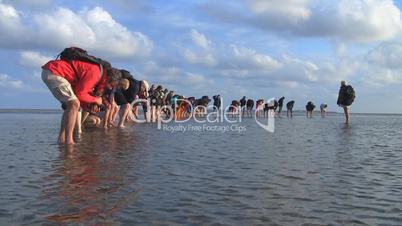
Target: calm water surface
(309, 172)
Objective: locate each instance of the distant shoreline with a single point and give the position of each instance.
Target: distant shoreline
(59, 111)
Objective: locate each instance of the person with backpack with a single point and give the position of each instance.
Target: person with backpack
(309, 109)
(72, 80)
(345, 99)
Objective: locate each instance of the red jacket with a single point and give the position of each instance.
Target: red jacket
(83, 82)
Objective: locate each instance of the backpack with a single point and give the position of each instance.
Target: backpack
(75, 53)
(349, 95)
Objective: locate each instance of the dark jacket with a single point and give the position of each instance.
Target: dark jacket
(217, 101)
(290, 104)
(250, 103)
(310, 106)
(342, 96)
(280, 101)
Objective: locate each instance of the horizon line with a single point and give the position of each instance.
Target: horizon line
(3, 110)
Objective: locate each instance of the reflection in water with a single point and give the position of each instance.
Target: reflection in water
(93, 183)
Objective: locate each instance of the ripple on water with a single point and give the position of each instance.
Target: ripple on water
(311, 172)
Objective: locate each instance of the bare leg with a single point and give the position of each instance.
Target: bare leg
(115, 109)
(69, 123)
(152, 113)
(78, 123)
(123, 115)
(158, 113)
(62, 133)
(129, 112)
(146, 116)
(135, 111)
(107, 116)
(346, 110)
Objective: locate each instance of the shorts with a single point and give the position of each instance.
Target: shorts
(59, 86)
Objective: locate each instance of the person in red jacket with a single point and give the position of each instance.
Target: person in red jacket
(72, 83)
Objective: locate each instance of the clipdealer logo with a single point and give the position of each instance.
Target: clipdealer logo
(208, 121)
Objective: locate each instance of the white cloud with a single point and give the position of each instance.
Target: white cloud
(113, 38)
(195, 79)
(94, 30)
(33, 59)
(380, 77)
(367, 20)
(247, 57)
(298, 70)
(387, 55)
(343, 20)
(10, 23)
(201, 53)
(203, 58)
(6, 82)
(199, 39)
(291, 10)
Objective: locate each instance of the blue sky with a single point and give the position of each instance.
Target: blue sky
(300, 49)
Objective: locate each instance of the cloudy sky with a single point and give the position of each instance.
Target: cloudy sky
(300, 49)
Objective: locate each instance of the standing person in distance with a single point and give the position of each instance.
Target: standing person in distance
(345, 99)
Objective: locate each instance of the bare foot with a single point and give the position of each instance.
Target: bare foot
(61, 140)
(122, 126)
(71, 142)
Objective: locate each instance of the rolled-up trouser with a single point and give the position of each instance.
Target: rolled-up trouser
(59, 86)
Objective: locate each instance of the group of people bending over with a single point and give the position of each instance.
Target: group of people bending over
(81, 81)
(245, 107)
(94, 93)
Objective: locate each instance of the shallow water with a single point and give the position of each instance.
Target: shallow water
(310, 171)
